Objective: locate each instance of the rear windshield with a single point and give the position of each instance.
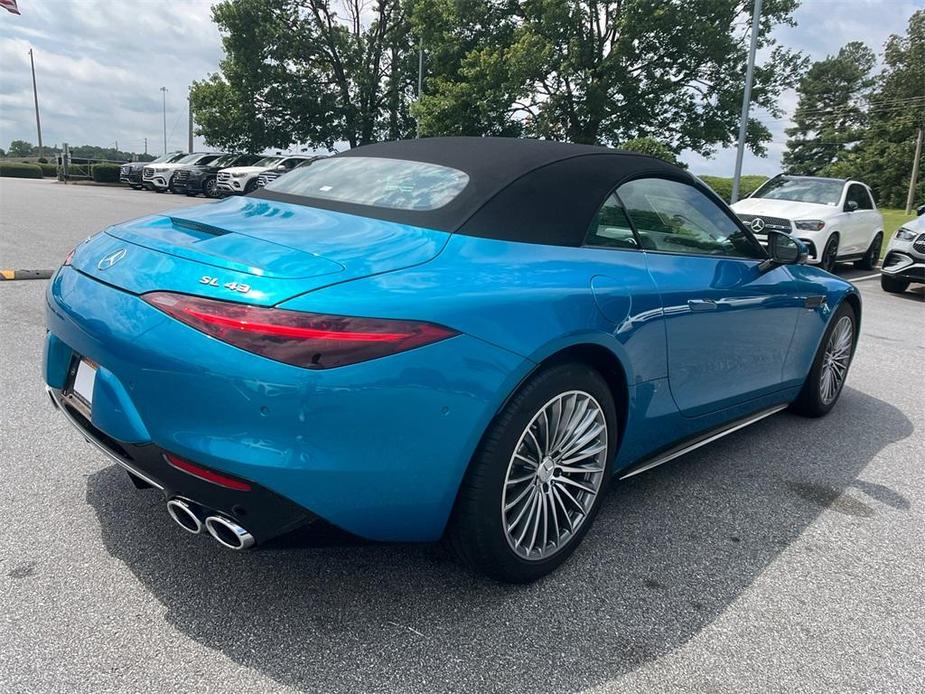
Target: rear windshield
(377, 182)
(818, 191)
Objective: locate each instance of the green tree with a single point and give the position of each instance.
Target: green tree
(310, 71)
(20, 148)
(883, 158)
(654, 148)
(831, 114)
(599, 71)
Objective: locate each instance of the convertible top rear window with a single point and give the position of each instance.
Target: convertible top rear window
(396, 184)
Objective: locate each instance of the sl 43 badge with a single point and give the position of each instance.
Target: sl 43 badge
(230, 286)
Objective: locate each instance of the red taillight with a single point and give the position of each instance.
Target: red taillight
(207, 475)
(310, 340)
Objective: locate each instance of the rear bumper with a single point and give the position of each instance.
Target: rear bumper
(265, 514)
(377, 448)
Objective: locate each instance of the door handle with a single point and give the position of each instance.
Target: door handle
(702, 305)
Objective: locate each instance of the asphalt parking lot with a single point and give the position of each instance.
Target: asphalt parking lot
(789, 556)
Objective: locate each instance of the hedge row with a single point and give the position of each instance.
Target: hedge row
(50, 170)
(723, 186)
(106, 173)
(15, 169)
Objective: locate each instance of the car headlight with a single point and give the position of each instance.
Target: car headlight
(810, 224)
(238, 175)
(903, 234)
(159, 170)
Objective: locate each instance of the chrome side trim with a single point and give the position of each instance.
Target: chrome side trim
(697, 443)
(90, 439)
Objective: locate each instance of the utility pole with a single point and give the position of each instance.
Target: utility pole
(746, 101)
(189, 103)
(417, 120)
(35, 94)
(164, 90)
(146, 146)
(915, 171)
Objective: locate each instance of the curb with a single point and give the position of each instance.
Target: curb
(25, 274)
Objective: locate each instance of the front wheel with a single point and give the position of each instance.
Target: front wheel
(869, 261)
(893, 285)
(830, 254)
(827, 376)
(537, 479)
(209, 188)
(250, 186)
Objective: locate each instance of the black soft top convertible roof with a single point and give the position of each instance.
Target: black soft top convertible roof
(534, 191)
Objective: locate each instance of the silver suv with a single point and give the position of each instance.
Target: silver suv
(904, 262)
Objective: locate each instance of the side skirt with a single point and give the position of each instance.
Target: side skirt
(697, 442)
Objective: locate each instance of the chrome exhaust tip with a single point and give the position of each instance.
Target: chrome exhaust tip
(183, 515)
(228, 533)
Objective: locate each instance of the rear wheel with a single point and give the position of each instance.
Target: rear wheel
(893, 285)
(537, 480)
(830, 254)
(827, 376)
(869, 261)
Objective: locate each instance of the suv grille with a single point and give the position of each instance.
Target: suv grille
(181, 175)
(770, 223)
(223, 177)
(919, 243)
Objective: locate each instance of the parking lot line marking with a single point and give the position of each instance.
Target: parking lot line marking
(869, 277)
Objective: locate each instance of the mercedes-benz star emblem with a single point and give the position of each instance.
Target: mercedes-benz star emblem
(757, 225)
(107, 261)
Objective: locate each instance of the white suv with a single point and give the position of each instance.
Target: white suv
(835, 218)
(243, 179)
(157, 177)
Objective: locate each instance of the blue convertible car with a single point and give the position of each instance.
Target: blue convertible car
(451, 337)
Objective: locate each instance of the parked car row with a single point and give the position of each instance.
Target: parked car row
(213, 174)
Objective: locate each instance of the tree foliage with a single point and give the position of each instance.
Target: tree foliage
(831, 112)
(883, 158)
(310, 71)
(599, 71)
(20, 148)
(654, 148)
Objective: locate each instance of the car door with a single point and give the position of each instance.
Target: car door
(729, 322)
(858, 223)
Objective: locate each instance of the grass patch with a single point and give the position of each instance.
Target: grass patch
(892, 220)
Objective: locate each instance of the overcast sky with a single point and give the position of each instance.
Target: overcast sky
(100, 65)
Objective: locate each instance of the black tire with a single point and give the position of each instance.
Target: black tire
(136, 187)
(209, 188)
(250, 186)
(830, 254)
(869, 261)
(476, 531)
(810, 402)
(893, 285)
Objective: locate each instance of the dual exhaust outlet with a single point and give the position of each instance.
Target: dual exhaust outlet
(223, 530)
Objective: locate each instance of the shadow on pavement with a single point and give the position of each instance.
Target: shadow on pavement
(669, 552)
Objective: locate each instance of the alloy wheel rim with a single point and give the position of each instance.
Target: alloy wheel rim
(835, 360)
(554, 475)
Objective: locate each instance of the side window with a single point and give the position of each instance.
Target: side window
(610, 228)
(677, 218)
(859, 195)
(291, 163)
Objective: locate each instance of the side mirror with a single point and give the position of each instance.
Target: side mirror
(851, 206)
(281, 168)
(920, 210)
(783, 249)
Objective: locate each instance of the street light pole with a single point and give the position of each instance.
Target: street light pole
(420, 81)
(746, 101)
(164, 90)
(189, 103)
(35, 94)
